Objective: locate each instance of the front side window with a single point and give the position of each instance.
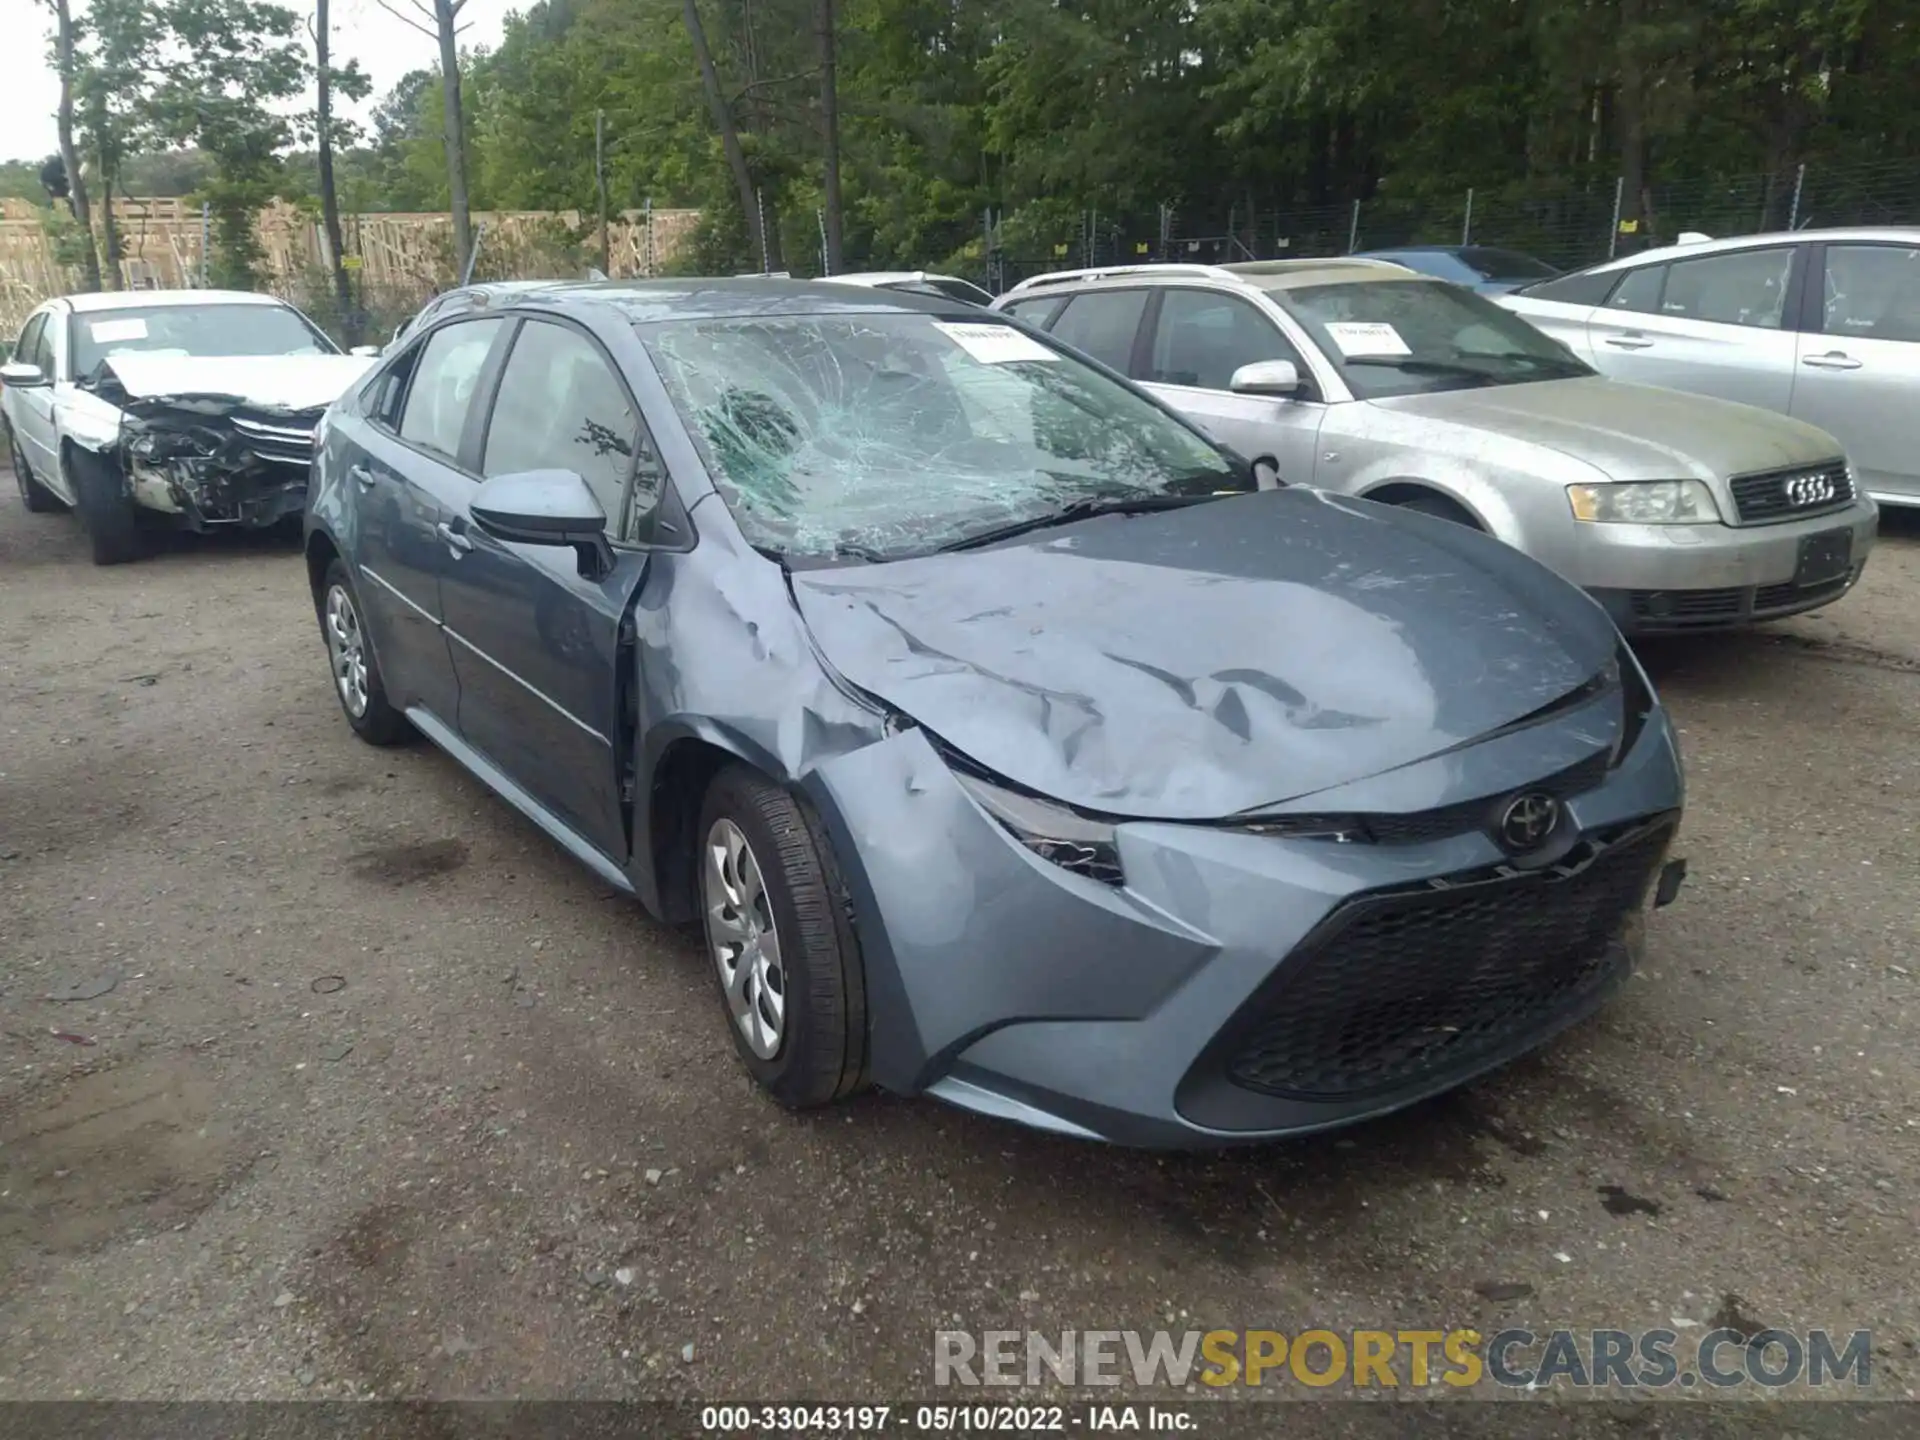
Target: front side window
(26, 349)
(1743, 287)
(1639, 290)
(444, 380)
(1409, 337)
(1203, 337)
(203, 330)
(877, 436)
(1103, 324)
(1873, 292)
(561, 407)
(1038, 311)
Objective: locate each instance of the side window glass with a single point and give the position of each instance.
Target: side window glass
(1202, 338)
(43, 347)
(1639, 290)
(29, 341)
(1103, 323)
(388, 390)
(1872, 292)
(1746, 287)
(561, 407)
(444, 379)
(1038, 312)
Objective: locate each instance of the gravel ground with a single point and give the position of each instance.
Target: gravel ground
(387, 1096)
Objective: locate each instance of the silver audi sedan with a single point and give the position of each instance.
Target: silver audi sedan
(1676, 512)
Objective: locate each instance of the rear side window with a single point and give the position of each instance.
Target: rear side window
(1103, 324)
(1201, 338)
(1639, 290)
(444, 379)
(1744, 287)
(1589, 287)
(561, 407)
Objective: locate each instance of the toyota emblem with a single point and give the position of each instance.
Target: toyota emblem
(1814, 489)
(1528, 820)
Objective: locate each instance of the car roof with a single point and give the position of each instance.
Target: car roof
(1258, 274)
(1884, 234)
(885, 277)
(86, 304)
(717, 298)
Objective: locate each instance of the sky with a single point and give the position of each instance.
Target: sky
(387, 48)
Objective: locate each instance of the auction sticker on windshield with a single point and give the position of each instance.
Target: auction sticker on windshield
(1356, 337)
(105, 332)
(995, 344)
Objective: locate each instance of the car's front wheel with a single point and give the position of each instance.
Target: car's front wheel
(35, 496)
(106, 510)
(781, 942)
(350, 659)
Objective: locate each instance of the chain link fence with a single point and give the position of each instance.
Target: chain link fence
(1567, 225)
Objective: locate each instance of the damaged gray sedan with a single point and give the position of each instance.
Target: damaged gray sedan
(189, 409)
(1003, 740)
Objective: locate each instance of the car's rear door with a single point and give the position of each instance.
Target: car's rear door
(1197, 339)
(1859, 361)
(411, 463)
(1714, 324)
(535, 641)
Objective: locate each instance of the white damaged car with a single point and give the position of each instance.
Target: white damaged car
(186, 408)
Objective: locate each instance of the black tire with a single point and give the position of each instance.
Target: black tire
(377, 722)
(106, 509)
(1441, 508)
(35, 496)
(822, 1050)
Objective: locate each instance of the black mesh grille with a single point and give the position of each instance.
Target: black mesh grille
(1778, 597)
(1687, 604)
(1440, 822)
(1791, 494)
(1399, 987)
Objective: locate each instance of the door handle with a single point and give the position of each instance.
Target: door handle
(1628, 342)
(457, 540)
(1832, 360)
(362, 476)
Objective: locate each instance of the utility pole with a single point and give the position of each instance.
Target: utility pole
(600, 179)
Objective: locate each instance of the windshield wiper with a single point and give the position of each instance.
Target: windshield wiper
(1414, 365)
(1559, 364)
(1084, 508)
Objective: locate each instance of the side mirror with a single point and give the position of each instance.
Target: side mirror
(21, 375)
(1267, 377)
(364, 350)
(545, 507)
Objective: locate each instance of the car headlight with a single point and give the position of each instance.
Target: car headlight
(1644, 502)
(1076, 842)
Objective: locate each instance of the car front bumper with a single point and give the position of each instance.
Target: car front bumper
(1240, 987)
(1687, 577)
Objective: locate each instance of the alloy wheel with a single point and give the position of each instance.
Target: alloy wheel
(743, 939)
(347, 649)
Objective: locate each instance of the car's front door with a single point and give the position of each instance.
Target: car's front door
(1859, 362)
(535, 641)
(1715, 325)
(1198, 339)
(411, 465)
(32, 407)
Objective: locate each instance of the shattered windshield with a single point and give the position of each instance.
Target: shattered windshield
(206, 330)
(881, 435)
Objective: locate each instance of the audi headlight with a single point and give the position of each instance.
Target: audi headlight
(1644, 502)
(1081, 843)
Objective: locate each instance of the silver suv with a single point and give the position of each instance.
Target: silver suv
(1363, 377)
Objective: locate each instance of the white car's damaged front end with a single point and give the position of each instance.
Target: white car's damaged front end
(214, 442)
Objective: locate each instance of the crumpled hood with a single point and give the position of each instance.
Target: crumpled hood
(286, 382)
(1203, 662)
(1632, 432)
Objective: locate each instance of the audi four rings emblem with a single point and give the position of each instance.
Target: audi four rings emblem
(1528, 820)
(1810, 489)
